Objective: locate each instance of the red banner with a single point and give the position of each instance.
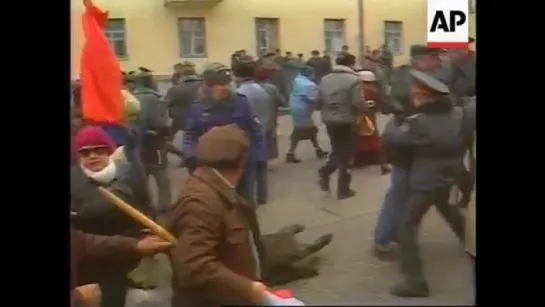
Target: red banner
(100, 71)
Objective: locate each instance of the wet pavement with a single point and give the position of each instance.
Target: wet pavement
(349, 274)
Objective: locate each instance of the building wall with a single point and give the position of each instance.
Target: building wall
(473, 28)
(152, 40)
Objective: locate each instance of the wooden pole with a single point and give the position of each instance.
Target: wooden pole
(137, 215)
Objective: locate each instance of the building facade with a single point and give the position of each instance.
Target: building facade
(158, 33)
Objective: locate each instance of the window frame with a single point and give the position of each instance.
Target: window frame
(268, 21)
(111, 35)
(327, 30)
(397, 32)
(181, 32)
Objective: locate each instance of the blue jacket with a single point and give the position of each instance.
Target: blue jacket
(303, 96)
(205, 115)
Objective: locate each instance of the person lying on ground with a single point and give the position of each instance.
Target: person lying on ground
(287, 259)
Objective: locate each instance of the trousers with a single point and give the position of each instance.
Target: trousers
(396, 196)
(413, 211)
(114, 292)
(342, 139)
(162, 180)
(262, 183)
(246, 185)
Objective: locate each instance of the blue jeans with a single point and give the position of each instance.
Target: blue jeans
(396, 196)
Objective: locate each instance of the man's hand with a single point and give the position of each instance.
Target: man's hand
(152, 244)
(259, 292)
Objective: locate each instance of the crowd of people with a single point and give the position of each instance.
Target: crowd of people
(228, 116)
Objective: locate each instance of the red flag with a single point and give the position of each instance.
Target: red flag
(100, 71)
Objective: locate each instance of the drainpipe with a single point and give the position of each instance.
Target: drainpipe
(361, 41)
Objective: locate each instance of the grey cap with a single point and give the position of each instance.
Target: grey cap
(430, 82)
(423, 50)
(216, 73)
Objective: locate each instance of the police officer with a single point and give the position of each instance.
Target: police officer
(463, 65)
(220, 106)
(424, 59)
(433, 136)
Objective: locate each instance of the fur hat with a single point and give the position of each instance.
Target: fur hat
(222, 144)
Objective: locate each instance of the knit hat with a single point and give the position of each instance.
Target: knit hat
(222, 144)
(92, 136)
(306, 70)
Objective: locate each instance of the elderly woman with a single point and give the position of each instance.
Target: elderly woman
(302, 103)
(368, 144)
(91, 213)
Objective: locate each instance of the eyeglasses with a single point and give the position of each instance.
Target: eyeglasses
(99, 151)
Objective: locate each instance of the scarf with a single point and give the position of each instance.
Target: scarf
(104, 176)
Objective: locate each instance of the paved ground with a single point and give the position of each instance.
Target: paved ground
(349, 274)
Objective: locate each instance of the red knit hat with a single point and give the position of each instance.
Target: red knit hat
(92, 136)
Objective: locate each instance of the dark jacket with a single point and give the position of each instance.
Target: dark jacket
(207, 114)
(277, 101)
(151, 126)
(94, 214)
(434, 134)
(180, 97)
(277, 76)
(464, 77)
(90, 247)
(340, 96)
(321, 68)
(213, 262)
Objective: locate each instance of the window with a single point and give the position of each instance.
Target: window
(115, 32)
(266, 34)
(393, 36)
(334, 35)
(192, 37)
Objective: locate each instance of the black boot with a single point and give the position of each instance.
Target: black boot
(317, 245)
(321, 154)
(323, 182)
(290, 158)
(343, 186)
(411, 289)
(346, 194)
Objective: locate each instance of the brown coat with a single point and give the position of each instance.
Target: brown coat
(212, 261)
(89, 247)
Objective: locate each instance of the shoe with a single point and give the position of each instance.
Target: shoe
(323, 182)
(385, 253)
(318, 244)
(411, 289)
(321, 154)
(345, 195)
(290, 158)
